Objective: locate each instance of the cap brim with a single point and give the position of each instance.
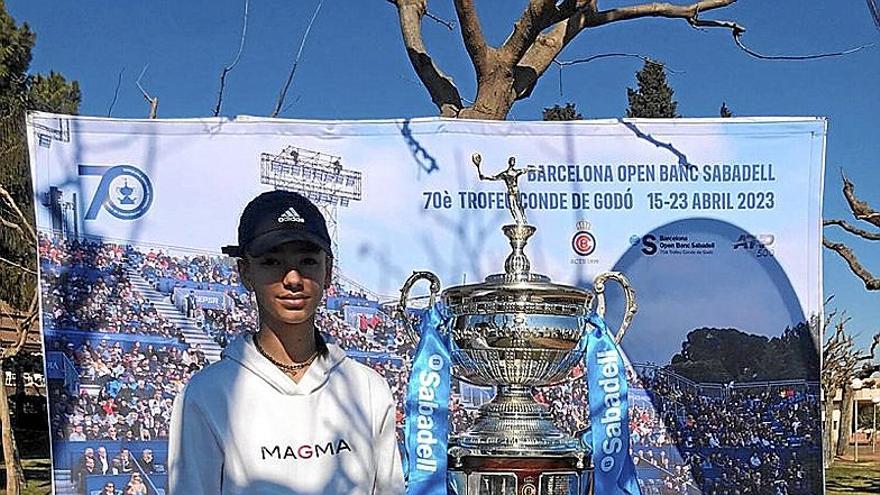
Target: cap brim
(234, 251)
(266, 242)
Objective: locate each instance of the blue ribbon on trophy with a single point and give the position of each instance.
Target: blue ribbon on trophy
(426, 431)
(613, 470)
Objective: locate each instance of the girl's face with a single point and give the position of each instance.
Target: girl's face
(288, 282)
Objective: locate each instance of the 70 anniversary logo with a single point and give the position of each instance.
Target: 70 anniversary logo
(125, 191)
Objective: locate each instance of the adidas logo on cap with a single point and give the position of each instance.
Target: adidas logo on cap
(276, 217)
(290, 215)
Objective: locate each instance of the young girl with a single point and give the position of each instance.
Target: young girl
(283, 412)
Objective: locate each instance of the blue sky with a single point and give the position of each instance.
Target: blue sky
(354, 67)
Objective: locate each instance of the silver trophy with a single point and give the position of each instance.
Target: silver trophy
(517, 330)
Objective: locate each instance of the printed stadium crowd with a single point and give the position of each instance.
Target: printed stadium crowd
(97, 460)
(197, 268)
(125, 394)
(736, 442)
(85, 287)
(743, 441)
(739, 441)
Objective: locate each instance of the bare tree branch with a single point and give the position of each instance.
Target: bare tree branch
(472, 35)
(871, 282)
(23, 327)
(228, 68)
(860, 209)
(565, 63)
(280, 103)
(17, 265)
(864, 234)
(655, 10)
(153, 100)
(537, 16)
(115, 92)
(443, 92)
(738, 31)
(548, 45)
(22, 219)
(542, 52)
(291, 104)
(698, 23)
(874, 8)
(568, 8)
(450, 25)
(737, 39)
(11, 225)
(23, 226)
(443, 22)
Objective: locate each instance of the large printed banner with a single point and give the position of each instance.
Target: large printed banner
(716, 222)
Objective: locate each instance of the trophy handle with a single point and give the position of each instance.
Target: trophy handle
(628, 292)
(400, 309)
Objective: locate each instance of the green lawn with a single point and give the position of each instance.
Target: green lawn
(37, 473)
(847, 477)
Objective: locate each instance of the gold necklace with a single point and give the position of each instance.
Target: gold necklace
(290, 368)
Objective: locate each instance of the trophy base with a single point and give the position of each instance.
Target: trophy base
(514, 425)
(494, 475)
(513, 448)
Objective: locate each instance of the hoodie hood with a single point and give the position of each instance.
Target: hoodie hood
(243, 351)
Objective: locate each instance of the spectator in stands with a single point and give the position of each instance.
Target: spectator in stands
(135, 486)
(110, 489)
(88, 469)
(148, 464)
(126, 464)
(285, 258)
(191, 305)
(103, 463)
(80, 467)
(77, 434)
(112, 432)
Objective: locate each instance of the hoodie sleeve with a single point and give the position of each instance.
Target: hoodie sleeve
(389, 471)
(195, 458)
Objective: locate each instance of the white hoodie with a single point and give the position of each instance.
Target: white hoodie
(241, 426)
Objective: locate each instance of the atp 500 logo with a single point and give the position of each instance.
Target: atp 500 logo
(125, 191)
(759, 244)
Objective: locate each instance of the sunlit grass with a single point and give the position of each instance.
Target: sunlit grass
(36, 471)
(847, 477)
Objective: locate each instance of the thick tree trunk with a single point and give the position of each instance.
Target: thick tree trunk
(846, 419)
(828, 429)
(14, 472)
(495, 97)
(20, 389)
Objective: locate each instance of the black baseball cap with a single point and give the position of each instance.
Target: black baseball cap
(276, 217)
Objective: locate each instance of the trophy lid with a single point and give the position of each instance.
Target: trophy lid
(517, 289)
(517, 267)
